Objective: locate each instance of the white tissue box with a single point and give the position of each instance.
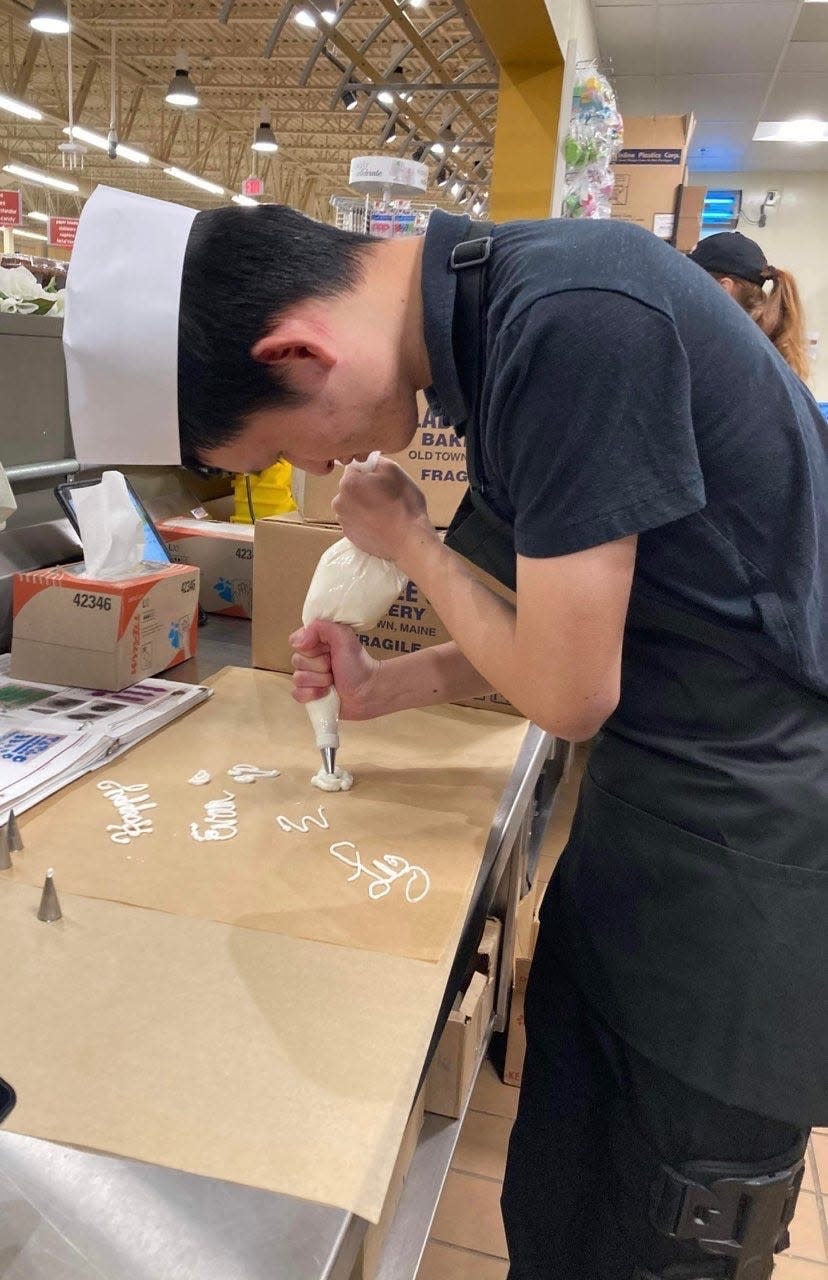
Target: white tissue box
(73, 630)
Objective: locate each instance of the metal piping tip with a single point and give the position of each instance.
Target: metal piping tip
(329, 758)
(15, 839)
(49, 909)
(10, 841)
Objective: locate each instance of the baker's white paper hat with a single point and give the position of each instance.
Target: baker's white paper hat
(120, 334)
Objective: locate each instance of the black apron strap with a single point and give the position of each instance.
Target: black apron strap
(476, 531)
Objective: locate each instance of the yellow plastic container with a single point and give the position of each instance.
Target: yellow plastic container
(263, 493)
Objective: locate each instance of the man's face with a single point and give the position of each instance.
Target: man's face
(352, 396)
(321, 429)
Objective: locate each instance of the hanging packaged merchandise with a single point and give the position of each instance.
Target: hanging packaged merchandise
(594, 138)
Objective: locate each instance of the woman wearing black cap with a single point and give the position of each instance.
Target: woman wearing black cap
(742, 270)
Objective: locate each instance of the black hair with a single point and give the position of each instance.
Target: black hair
(243, 269)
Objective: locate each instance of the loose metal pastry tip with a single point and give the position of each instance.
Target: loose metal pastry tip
(49, 909)
(329, 758)
(15, 839)
(10, 841)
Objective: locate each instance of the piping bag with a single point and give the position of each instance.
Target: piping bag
(353, 587)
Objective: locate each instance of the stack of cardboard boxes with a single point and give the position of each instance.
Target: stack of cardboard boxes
(650, 176)
(288, 548)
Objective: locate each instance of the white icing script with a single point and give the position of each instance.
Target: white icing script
(131, 801)
(200, 779)
(220, 819)
(250, 772)
(304, 824)
(383, 872)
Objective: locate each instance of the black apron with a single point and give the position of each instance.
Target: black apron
(688, 905)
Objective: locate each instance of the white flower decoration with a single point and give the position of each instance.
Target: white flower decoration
(15, 306)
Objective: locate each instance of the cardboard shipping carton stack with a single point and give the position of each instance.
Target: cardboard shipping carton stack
(435, 459)
(526, 933)
(91, 634)
(649, 171)
(221, 549)
(287, 552)
(452, 1072)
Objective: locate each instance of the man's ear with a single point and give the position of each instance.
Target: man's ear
(300, 351)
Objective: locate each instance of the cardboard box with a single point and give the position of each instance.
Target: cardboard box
(516, 1033)
(223, 552)
(649, 171)
(689, 211)
(287, 553)
(435, 459)
(370, 1254)
(451, 1074)
(78, 631)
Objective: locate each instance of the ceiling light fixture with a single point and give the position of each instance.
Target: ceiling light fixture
(418, 152)
(19, 108)
(386, 97)
(182, 92)
(438, 148)
(43, 179)
(330, 16)
(29, 235)
(37, 216)
(195, 181)
(803, 130)
(246, 201)
(304, 18)
(391, 137)
(102, 143)
(50, 18)
(350, 100)
(457, 190)
(443, 175)
(264, 138)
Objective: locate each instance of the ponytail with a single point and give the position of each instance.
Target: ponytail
(778, 314)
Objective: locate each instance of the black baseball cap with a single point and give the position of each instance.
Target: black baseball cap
(732, 254)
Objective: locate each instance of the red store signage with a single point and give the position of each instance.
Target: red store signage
(11, 209)
(62, 232)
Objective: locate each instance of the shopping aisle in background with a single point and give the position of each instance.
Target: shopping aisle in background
(467, 1240)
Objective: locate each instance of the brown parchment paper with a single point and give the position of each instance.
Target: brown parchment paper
(233, 1053)
(427, 786)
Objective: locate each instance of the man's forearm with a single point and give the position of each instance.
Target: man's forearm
(423, 679)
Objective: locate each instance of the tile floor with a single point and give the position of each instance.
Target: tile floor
(467, 1241)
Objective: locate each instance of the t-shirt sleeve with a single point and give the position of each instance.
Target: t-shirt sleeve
(594, 433)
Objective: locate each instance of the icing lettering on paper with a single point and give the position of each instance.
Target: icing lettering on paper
(384, 872)
(220, 819)
(132, 802)
(304, 824)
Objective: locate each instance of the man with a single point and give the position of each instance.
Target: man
(651, 477)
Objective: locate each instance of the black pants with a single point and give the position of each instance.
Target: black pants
(575, 1201)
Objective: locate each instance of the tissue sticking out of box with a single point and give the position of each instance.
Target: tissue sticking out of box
(111, 530)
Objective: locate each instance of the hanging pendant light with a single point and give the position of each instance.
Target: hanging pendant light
(50, 18)
(264, 138)
(71, 152)
(182, 92)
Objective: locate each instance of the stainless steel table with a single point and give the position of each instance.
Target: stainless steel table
(67, 1214)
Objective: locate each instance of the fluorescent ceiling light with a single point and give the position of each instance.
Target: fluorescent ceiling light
(247, 201)
(456, 188)
(329, 15)
(19, 108)
(791, 131)
(29, 235)
(38, 217)
(195, 181)
(50, 18)
(304, 18)
(98, 140)
(391, 138)
(43, 179)
(438, 148)
(386, 97)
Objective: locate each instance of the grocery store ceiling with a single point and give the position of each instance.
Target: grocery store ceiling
(245, 56)
(733, 64)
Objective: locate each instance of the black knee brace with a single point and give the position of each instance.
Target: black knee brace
(737, 1215)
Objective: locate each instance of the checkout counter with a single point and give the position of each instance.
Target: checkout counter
(80, 1215)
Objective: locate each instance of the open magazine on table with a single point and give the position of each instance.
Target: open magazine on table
(50, 735)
